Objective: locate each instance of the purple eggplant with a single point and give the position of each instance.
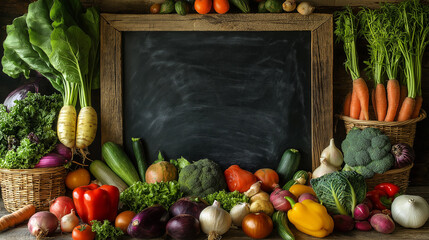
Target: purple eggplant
(149, 223)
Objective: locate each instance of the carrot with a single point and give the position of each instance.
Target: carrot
(403, 95)
(419, 102)
(381, 101)
(16, 217)
(66, 126)
(374, 105)
(359, 85)
(354, 106)
(393, 98)
(407, 109)
(86, 127)
(347, 101)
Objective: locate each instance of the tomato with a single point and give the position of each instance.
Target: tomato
(203, 6)
(155, 8)
(123, 220)
(221, 6)
(268, 177)
(83, 232)
(77, 178)
(257, 225)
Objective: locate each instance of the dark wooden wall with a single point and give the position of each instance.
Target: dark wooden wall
(9, 9)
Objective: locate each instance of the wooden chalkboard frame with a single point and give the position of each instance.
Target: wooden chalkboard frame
(111, 69)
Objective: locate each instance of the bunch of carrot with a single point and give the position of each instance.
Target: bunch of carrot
(397, 35)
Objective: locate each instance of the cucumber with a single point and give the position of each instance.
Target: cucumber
(119, 162)
(274, 6)
(288, 164)
(289, 184)
(140, 159)
(281, 223)
(106, 176)
(243, 5)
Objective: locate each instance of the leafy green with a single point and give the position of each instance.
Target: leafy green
(141, 195)
(27, 132)
(227, 199)
(340, 192)
(105, 230)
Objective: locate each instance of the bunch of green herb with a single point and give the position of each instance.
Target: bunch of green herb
(141, 195)
(227, 199)
(104, 230)
(27, 132)
(346, 30)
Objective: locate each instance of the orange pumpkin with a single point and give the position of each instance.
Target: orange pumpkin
(161, 172)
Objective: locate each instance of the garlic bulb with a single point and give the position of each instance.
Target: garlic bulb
(323, 169)
(215, 221)
(333, 155)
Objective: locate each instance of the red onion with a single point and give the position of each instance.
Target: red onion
(306, 196)
(51, 160)
(149, 223)
(277, 198)
(183, 226)
(42, 224)
(62, 206)
(404, 154)
(19, 94)
(188, 205)
(361, 211)
(368, 203)
(63, 151)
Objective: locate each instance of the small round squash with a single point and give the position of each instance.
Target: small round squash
(161, 172)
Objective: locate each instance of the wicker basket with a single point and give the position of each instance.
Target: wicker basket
(397, 176)
(37, 186)
(398, 132)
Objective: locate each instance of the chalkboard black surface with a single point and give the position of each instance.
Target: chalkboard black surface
(233, 97)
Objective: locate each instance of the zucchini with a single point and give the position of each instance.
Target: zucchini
(288, 164)
(106, 176)
(281, 223)
(119, 162)
(300, 177)
(243, 5)
(140, 159)
(274, 6)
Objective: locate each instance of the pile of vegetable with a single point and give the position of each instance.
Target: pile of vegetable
(397, 36)
(60, 40)
(183, 7)
(27, 131)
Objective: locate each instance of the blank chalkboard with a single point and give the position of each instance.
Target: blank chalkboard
(233, 97)
(219, 87)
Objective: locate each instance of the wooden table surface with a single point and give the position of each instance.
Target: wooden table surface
(20, 232)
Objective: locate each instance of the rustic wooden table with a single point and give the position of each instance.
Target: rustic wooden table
(20, 232)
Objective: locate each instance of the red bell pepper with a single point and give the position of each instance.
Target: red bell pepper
(96, 203)
(391, 189)
(376, 198)
(239, 179)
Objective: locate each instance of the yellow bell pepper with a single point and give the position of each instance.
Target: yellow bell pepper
(310, 218)
(298, 189)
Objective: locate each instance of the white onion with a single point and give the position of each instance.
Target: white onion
(69, 221)
(215, 221)
(410, 211)
(238, 212)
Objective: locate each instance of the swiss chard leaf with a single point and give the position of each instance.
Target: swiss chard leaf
(60, 16)
(70, 49)
(91, 25)
(39, 25)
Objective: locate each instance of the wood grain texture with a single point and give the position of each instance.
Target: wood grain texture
(216, 22)
(321, 26)
(322, 88)
(110, 83)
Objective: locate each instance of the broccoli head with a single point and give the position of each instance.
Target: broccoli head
(367, 152)
(201, 178)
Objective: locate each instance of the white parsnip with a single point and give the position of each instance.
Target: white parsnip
(66, 126)
(86, 127)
